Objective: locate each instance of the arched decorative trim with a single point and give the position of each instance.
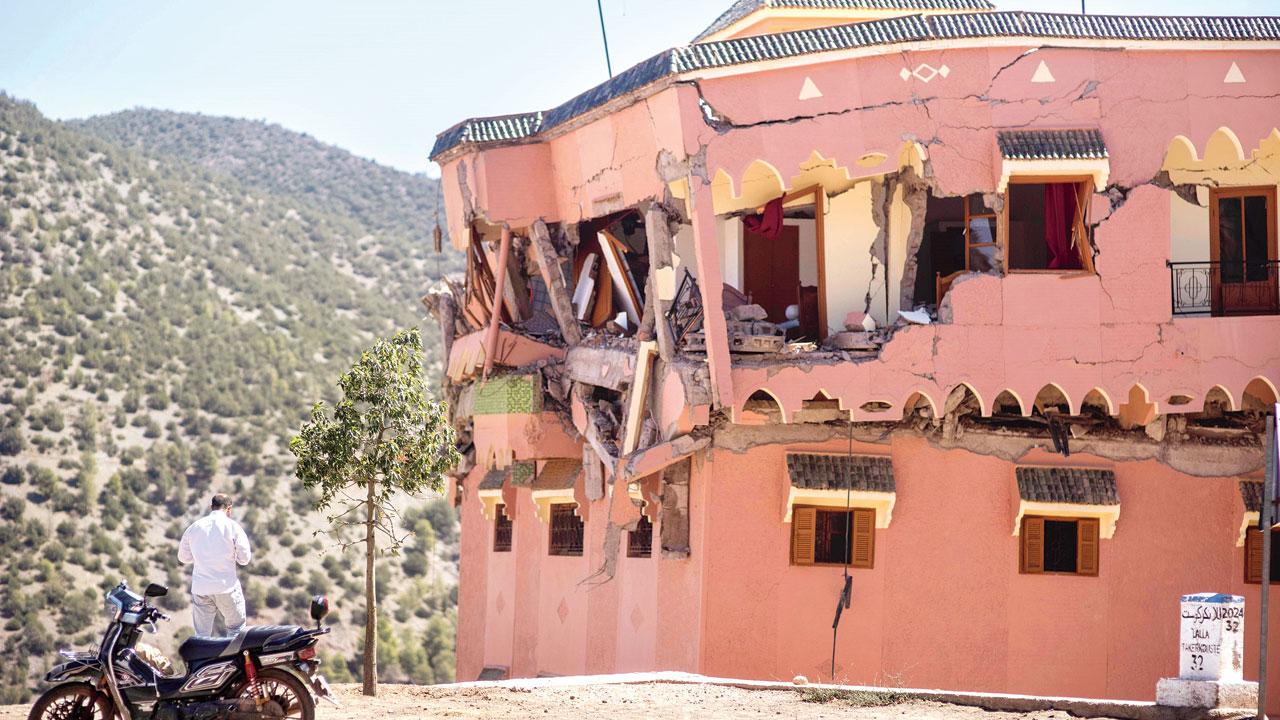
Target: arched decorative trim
(1017, 400)
(914, 402)
(1256, 387)
(1223, 147)
(1219, 392)
(983, 408)
(1052, 387)
(782, 411)
(1100, 394)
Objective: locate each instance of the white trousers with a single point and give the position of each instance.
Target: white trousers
(220, 615)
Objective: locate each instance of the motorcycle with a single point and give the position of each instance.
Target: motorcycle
(263, 672)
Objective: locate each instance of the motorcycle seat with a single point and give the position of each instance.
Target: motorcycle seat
(197, 648)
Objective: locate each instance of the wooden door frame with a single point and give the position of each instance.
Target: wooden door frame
(1241, 191)
(819, 221)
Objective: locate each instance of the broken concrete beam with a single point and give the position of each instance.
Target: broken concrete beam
(748, 313)
(656, 458)
(549, 266)
(638, 396)
(593, 474)
(607, 367)
(657, 230)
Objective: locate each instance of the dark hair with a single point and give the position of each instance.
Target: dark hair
(221, 502)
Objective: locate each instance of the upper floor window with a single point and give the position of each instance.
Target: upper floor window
(640, 540)
(566, 530)
(823, 536)
(1047, 226)
(501, 530)
(1064, 546)
(1242, 249)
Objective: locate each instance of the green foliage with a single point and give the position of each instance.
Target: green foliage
(385, 436)
(165, 320)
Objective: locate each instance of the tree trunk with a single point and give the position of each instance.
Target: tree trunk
(371, 596)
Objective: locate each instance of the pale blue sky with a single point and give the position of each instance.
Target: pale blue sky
(377, 77)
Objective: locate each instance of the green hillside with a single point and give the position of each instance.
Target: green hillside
(168, 312)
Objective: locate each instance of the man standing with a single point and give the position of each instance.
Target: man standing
(216, 544)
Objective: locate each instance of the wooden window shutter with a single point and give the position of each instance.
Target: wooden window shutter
(804, 521)
(1253, 555)
(1079, 229)
(1032, 545)
(864, 538)
(1087, 546)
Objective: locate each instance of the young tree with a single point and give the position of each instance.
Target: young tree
(385, 436)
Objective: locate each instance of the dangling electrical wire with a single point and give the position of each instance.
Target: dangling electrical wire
(605, 36)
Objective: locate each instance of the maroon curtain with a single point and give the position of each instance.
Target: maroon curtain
(1059, 218)
(767, 223)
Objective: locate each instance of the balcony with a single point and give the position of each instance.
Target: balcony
(1220, 289)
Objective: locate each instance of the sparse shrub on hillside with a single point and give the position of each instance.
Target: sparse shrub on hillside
(11, 441)
(13, 509)
(78, 611)
(12, 475)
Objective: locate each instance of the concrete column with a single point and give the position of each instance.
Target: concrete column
(710, 282)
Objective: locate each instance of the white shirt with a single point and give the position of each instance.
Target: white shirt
(216, 544)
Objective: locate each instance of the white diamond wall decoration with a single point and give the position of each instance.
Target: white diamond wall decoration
(1042, 74)
(809, 90)
(1234, 75)
(924, 72)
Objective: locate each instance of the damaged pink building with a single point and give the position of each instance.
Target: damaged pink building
(979, 307)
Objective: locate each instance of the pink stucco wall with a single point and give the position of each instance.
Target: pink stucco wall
(944, 606)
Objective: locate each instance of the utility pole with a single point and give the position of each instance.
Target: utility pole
(1266, 520)
(605, 36)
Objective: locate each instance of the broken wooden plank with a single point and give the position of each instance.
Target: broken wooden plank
(553, 277)
(637, 396)
(491, 340)
(620, 275)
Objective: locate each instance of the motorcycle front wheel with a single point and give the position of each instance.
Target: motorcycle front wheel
(72, 701)
(284, 690)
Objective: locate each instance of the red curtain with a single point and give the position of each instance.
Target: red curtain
(767, 223)
(1059, 219)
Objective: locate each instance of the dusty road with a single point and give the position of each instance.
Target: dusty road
(663, 701)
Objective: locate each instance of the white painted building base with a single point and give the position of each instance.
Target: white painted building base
(1213, 694)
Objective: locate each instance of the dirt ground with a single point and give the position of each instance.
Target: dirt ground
(627, 702)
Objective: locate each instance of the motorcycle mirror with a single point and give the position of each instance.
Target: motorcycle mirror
(319, 608)
(155, 590)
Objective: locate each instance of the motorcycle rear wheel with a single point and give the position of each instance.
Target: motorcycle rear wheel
(72, 701)
(286, 690)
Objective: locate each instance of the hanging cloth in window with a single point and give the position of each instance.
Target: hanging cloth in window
(767, 223)
(1059, 224)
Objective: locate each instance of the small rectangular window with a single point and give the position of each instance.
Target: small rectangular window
(1066, 546)
(640, 540)
(1047, 226)
(566, 530)
(833, 537)
(501, 530)
(1253, 556)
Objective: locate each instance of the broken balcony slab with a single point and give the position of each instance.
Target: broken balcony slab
(603, 362)
(467, 357)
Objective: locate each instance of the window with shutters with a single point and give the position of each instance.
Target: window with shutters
(566, 530)
(1253, 556)
(823, 536)
(640, 540)
(1057, 545)
(501, 530)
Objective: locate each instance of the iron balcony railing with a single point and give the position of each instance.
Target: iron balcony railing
(1225, 288)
